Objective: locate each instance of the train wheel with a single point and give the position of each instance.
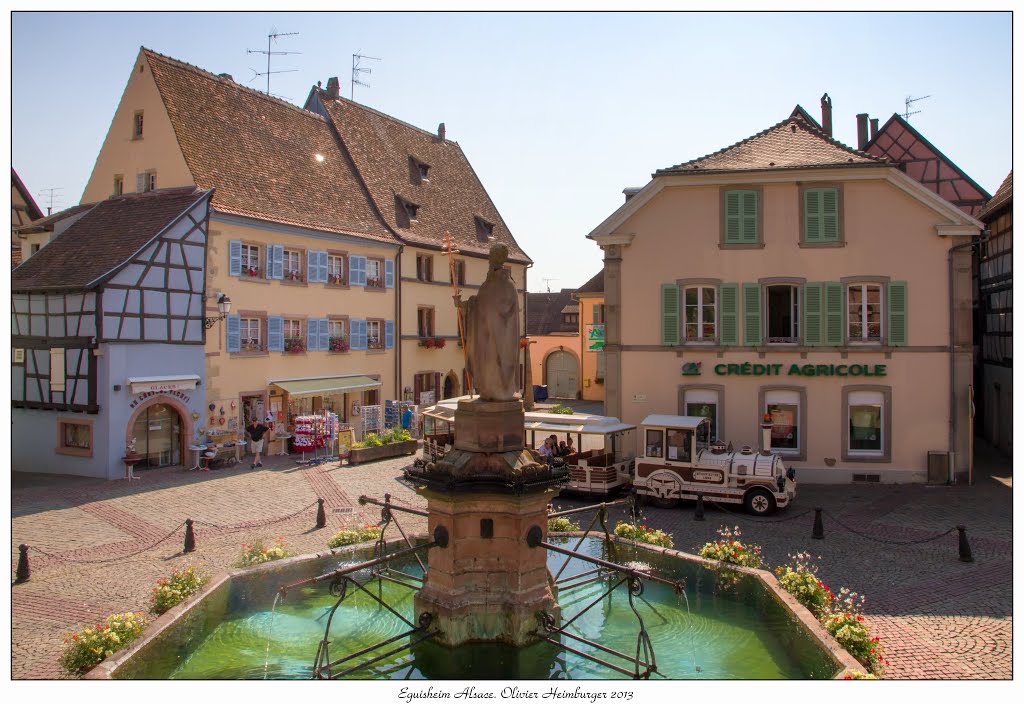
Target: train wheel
(759, 502)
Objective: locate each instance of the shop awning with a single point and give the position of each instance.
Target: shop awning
(326, 385)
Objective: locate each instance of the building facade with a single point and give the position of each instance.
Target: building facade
(552, 326)
(23, 211)
(793, 276)
(592, 364)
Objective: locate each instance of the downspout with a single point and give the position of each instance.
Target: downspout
(399, 389)
(952, 368)
(526, 302)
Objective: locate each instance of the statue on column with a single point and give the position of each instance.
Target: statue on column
(492, 331)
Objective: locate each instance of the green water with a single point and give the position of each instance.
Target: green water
(738, 632)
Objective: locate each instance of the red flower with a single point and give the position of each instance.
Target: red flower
(859, 617)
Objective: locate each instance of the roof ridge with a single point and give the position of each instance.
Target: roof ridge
(230, 82)
(342, 99)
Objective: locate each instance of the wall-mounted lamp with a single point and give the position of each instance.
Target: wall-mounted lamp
(224, 306)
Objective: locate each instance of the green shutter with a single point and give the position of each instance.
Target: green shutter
(897, 306)
(748, 232)
(812, 215)
(833, 313)
(733, 228)
(669, 314)
(751, 314)
(829, 215)
(812, 314)
(728, 312)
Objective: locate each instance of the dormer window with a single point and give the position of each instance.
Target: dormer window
(405, 211)
(484, 229)
(418, 171)
(411, 210)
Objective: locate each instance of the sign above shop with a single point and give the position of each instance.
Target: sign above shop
(184, 382)
(748, 369)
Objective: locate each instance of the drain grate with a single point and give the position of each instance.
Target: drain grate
(346, 509)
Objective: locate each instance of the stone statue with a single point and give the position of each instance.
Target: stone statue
(491, 319)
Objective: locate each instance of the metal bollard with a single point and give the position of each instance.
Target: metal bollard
(965, 547)
(321, 515)
(23, 573)
(698, 515)
(818, 532)
(190, 536)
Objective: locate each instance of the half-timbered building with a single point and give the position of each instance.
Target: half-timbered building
(108, 331)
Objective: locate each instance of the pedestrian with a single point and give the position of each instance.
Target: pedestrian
(407, 419)
(255, 431)
(546, 450)
(569, 449)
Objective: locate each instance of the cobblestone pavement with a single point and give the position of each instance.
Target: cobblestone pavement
(940, 618)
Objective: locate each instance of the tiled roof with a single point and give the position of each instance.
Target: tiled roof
(47, 223)
(30, 203)
(792, 143)
(595, 285)
(102, 239)
(387, 153)
(260, 153)
(544, 313)
(1003, 196)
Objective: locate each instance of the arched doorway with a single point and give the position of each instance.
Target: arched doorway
(561, 374)
(451, 386)
(158, 430)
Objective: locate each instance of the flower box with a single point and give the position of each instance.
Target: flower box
(393, 449)
(439, 342)
(338, 344)
(427, 342)
(294, 345)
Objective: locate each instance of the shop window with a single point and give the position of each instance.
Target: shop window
(251, 330)
(374, 273)
(74, 438)
(700, 314)
(867, 412)
(424, 267)
(336, 269)
(654, 442)
(293, 265)
(785, 407)
(782, 313)
(460, 272)
(374, 334)
(864, 307)
(705, 404)
(425, 322)
(677, 445)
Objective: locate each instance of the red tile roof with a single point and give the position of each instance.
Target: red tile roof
(1003, 196)
(388, 152)
(544, 313)
(260, 153)
(790, 144)
(102, 239)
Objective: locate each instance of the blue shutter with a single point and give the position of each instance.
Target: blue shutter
(325, 335)
(357, 270)
(389, 334)
(277, 252)
(235, 258)
(275, 333)
(323, 266)
(356, 332)
(312, 335)
(389, 273)
(234, 333)
(312, 266)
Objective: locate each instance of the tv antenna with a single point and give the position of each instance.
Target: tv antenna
(50, 194)
(357, 70)
(547, 282)
(271, 38)
(907, 103)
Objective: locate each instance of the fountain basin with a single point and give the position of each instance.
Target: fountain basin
(749, 630)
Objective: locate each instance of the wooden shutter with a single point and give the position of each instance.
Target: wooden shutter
(234, 333)
(312, 335)
(812, 215)
(600, 364)
(140, 183)
(748, 217)
(897, 319)
(833, 318)
(751, 314)
(357, 270)
(274, 334)
(389, 273)
(323, 326)
(813, 333)
(312, 266)
(275, 268)
(829, 215)
(235, 258)
(728, 313)
(357, 333)
(389, 334)
(733, 229)
(323, 266)
(669, 314)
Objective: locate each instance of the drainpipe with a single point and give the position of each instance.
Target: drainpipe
(952, 369)
(526, 357)
(399, 393)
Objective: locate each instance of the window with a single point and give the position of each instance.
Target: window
(338, 336)
(293, 341)
(425, 322)
(782, 312)
(119, 185)
(864, 306)
(293, 265)
(33, 248)
(57, 370)
(599, 374)
(740, 218)
(137, 126)
(424, 267)
(336, 269)
(572, 318)
(251, 333)
(374, 335)
(700, 314)
(371, 397)
(678, 445)
(784, 408)
(74, 438)
(598, 313)
(460, 272)
(822, 216)
(654, 442)
(145, 182)
(484, 230)
(374, 273)
(704, 403)
(867, 427)
(419, 170)
(151, 180)
(251, 260)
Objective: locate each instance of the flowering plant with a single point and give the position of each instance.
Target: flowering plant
(562, 410)
(847, 625)
(561, 524)
(252, 271)
(88, 647)
(294, 275)
(730, 549)
(439, 342)
(800, 578)
(171, 591)
(524, 342)
(257, 553)
(350, 536)
(339, 344)
(294, 344)
(642, 534)
(427, 342)
(858, 675)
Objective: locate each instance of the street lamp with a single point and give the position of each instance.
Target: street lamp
(224, 306)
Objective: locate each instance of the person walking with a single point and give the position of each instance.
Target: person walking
(255, 431)
(407, 419)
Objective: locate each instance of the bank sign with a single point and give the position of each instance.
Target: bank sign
(759, 369)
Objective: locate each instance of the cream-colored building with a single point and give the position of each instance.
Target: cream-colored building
(552, 324)
(592, 362)
(793, 276)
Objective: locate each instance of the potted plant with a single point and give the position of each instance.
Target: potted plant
(294, 345)
(427, 342)
(338, 344)
(251, 271)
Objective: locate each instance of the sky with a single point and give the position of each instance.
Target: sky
(557, 112)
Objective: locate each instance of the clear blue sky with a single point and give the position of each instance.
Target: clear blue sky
(557, 112)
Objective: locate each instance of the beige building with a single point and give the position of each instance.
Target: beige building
(592, 365)
(793, 276)
(314, 238)
(552, 325)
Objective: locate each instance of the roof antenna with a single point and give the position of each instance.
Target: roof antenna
(907, 112)
(547, 282)
(50, 194)
(356, 70)
(271, 37)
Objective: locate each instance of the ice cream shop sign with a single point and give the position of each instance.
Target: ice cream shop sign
(148, 387)
(759, 369)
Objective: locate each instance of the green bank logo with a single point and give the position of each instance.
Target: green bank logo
(595, 337)
(691, 369)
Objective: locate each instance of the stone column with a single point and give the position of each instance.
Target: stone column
(612, 330)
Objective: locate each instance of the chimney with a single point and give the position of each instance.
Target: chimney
(333, 87)
(826, 114)
(630, 192)
(440, 132)
(874, 127)
(862, 130)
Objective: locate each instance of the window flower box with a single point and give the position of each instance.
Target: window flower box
(252, 272)
(427, 342)
(374, 283)
(294, 345)
(439, 342)
(293, 275)
(339, 344)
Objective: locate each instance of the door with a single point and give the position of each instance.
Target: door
(562, 375)
(157, 433)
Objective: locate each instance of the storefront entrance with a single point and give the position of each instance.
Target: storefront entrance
(157, 433)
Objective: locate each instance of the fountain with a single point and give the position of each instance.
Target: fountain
(494, 597)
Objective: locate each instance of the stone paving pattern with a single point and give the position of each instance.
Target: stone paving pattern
(940, 618)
